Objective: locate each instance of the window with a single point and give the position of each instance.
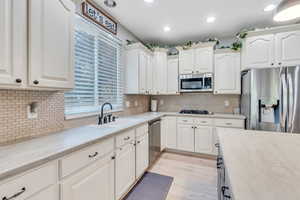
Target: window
(98, 70)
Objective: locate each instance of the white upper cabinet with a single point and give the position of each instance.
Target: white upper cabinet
(143, 65)
(198, 59)
(287, 48)
(259, 51)
(51, 43)
(160, 72)
(138, 69)
(227, 73)
(172, 86)
(149, 74)
(186, 61)
(13, 36)
(204, 60)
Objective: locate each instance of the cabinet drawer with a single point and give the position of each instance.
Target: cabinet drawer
(30, 182)
(141, 130)
(231, 123)
(125, 137)
(203, 121)
(185, 120)
(82, 158)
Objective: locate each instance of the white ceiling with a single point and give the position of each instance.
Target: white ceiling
(187, 18)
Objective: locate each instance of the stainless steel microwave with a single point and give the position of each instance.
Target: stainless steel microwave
(196, 82)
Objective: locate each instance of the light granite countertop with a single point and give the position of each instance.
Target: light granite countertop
(261, 165)
(16, 158)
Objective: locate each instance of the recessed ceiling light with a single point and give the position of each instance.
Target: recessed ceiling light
(269, 7)
(210, 19)
(167, 28)
(287, 10)
(149, 1)
(110, 3)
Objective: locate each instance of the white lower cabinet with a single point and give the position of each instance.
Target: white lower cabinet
(93, 183)
(185, 137)
(125, 169)
(51, 193)
(204, 139)
(142, 155)
(169, 129)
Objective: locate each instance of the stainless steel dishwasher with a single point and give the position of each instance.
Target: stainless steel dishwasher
(154, 140)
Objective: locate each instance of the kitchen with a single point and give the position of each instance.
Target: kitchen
(105, 100)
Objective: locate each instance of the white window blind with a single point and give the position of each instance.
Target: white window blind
(99, 75)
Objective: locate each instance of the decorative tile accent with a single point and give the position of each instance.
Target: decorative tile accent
(14, 124)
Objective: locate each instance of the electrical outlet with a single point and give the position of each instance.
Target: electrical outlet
(127, 104)
(32, 110)
(136, 103)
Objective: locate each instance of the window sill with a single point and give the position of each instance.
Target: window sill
(89, 114)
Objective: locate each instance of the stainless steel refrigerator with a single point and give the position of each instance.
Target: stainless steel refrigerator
(271, 99)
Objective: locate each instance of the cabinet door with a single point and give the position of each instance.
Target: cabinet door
(142, 155)
(185, 137)
(51, 28)
(142, 72)
(150, 74)
(186, 61)
(51, 193)
(227, 74)
(259, 51)
(163, 134)
(169, 125)
(125, 169)
(204, 139)
(160, 73)
(287, 48)
(172, 76)
(93, 183)
(204, 60)
(13, 39)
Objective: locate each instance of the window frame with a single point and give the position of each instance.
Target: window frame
(86, 111)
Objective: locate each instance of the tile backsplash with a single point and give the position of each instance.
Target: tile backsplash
(210, 102)
(15, 126)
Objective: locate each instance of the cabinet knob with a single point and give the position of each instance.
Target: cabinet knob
(18, 80)
(36, 82)
(280, 63)
(272, 64)
(113, 157)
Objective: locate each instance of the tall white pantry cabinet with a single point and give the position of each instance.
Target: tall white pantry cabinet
(49, 27)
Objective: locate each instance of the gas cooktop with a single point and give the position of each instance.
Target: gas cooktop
(195, 112)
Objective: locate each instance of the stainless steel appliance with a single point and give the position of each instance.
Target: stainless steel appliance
(154, 140)
(270, 99)
(196, 82)
(196, 112)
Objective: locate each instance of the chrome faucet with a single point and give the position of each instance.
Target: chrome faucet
(105, 119)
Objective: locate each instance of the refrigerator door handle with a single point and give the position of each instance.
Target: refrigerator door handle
(283, 101)
(291, 101)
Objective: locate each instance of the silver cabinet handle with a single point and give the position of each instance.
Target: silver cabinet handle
(228, 123)
(204, 122)
(15, 195)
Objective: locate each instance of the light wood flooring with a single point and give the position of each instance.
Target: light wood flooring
(194, 178)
